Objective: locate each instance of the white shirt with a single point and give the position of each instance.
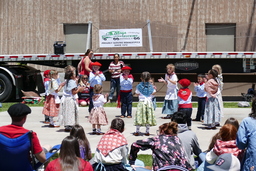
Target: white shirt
(99, 102)
(118, 155)
(171, 92)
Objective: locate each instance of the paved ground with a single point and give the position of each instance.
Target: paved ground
(54, 136)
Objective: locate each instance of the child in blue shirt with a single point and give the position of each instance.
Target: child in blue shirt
(95, 77)
(126, 81)
(201, 94)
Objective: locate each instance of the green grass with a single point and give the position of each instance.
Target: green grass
(5, 106)
(146, 158)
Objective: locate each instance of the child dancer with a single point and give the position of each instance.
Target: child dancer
(84, 96)
(220, 88)
(46, 85)
(212, 107)
(126, 81)
(201, 94)
(170, 101)
(68, 115)
(52, 102)
(95, 77)
(145, 111)
(151, 81)
(184, 98)
(98, 115)
(85, 151)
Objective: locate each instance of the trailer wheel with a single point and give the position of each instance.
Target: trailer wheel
(5, 88)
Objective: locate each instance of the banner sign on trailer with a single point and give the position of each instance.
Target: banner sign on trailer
(120, 37)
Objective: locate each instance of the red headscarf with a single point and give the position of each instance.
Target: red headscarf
(110, 141)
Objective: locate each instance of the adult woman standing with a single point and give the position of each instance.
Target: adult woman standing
(115, 68)
(166, 148)
(69, 157)
(84, 67)
(246, 139)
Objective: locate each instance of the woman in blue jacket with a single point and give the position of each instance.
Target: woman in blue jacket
(246, 139)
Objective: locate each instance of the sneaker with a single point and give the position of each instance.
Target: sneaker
(67, 130)
(167, 117)
(100, 133)
(210, 127)
(217, 124)
(54, 126)
(136, 133)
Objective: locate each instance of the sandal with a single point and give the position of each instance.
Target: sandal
(121, 116)
(129, 116)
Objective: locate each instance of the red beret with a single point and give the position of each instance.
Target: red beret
(96, 64)
(184, 82)
(126, 68)
(47, 72)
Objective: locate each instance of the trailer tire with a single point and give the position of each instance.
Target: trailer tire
(5, 88)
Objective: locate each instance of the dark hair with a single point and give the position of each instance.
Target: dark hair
(213, 141)
(69, 153)
(77, 131)
(117, 55)
(214, 73)
(68, 75)
(253, 110)
(201, 75)
(232, 121)
(228, 132)
(179, 117)
(145, 76)
(87, 52)
(17, 118)
(170, 128)
(117, 124)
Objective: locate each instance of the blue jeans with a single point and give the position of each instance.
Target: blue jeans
(114, 86)
(126, 103)
(200, 109)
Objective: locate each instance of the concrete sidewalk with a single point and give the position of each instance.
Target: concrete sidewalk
(53, 136)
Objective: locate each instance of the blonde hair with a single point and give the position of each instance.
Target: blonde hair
(97, 89)
(218, 68)
(170, 66)
(53, 72)
(71, 69)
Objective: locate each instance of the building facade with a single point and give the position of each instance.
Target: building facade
(32, 26)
